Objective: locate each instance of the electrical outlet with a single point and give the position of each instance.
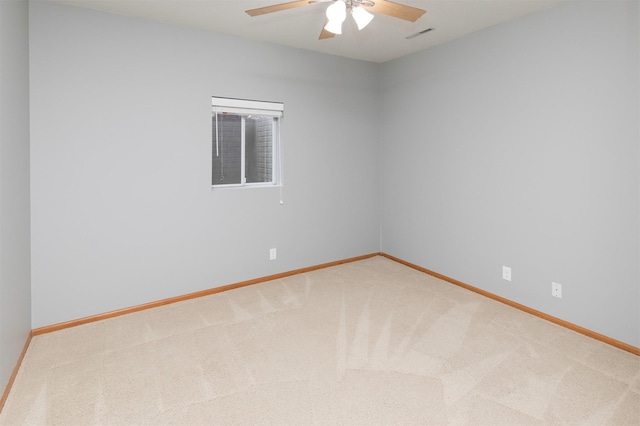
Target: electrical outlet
(556, 290)
(506, 273)
(272, 254)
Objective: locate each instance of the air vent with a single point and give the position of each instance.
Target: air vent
(419, 33)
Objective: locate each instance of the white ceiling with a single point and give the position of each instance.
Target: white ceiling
(383, 40)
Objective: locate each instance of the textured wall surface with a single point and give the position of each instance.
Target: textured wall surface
(123, 210)
(524, 153)
(15, 303)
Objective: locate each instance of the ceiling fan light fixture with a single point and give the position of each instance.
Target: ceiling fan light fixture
(334, 26)
(336, 14)
(361, 16)
(337, 11)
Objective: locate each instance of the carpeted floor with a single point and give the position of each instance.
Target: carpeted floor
(369, 342)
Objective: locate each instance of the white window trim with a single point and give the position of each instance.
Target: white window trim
(248, 107)
(242, 106)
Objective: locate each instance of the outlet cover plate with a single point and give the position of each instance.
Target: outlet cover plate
(556, 290)
(506, 273)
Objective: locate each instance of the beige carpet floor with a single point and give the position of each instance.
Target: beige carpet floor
(369, 342)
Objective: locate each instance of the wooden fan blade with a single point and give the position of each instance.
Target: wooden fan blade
(324, 33)
(397, 10)
(276, 7)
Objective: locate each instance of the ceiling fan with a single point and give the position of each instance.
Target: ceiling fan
(338, 9)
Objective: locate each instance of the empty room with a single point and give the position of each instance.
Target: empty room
(259, 212)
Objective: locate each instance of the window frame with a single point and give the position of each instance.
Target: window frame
(245, 108)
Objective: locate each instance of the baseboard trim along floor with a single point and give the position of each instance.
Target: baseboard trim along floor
(12, 378)
(606, 339)
(601, 337)
(72, 323)
(145, 306)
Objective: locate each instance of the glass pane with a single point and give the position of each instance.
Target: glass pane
(227, 149)
(259, 149)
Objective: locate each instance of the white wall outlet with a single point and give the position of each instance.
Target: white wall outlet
(506, 273)
(272, 254)
(556, 290)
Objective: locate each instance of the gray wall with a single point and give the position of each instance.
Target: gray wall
(15, 304)
(519, 146)
(123, 211)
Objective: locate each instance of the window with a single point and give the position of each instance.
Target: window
(246, 139)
